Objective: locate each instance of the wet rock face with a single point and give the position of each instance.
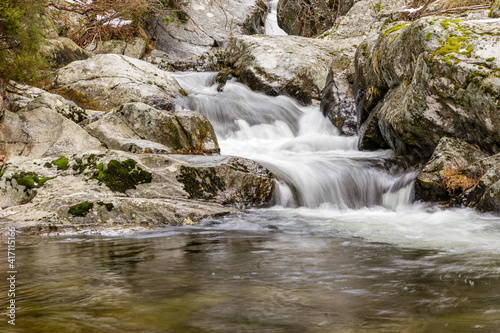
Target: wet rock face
(107, 81)
(139, 128)
(310, 18)
(210, 24)
(291, 65)
(337, 103)
(114, 187)
(438, 77)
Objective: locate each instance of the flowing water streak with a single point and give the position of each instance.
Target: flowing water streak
(271, 24)
(324, 181)
(315, 165)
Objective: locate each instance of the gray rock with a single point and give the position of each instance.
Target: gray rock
(62, 51)
(108, 80)
(446, 163)
(292, 65)
(337, 103)
(485, 172)
(439, 79)
(42, 128)
(135, 48)
(364, 20)
(139, 128)
(92, 189)
(210, 25)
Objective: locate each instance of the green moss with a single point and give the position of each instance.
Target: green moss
(109, 206)
(395, 28)
(456, 45)
(121, 176)
(79, 167)
(428, 36)
(393, 38)
(490, 59)
(446, 23)
(200, 183)
(61, 163)
(377, 6)
(81, 209)
(363, 49)
(183, 92)
(30, 180)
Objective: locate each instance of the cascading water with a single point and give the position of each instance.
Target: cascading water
(323, 177)
(314, 164)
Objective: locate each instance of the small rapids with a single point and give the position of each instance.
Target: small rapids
(314, 164)
(324, 181)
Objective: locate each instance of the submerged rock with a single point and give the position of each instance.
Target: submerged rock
(139, 128)
(43, 128)
(437, 77)
(106, 81)
(114, 187)
(291, 65)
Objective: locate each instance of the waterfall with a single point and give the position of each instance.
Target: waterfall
(271, 24)
(314, 165)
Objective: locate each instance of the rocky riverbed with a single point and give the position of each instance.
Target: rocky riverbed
(109, 141)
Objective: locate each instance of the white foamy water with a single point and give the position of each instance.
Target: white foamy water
(325, 183)
(271, 24)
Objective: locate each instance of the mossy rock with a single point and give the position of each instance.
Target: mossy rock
(81, 209)
(61, 163)
(30, 180)
(200, 183)
(121, 176)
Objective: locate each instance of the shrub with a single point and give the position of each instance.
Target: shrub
(21, 36)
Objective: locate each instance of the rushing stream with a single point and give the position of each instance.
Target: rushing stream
(344, 250)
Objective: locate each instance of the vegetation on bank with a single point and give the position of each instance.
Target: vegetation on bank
(21, 37)
(23, 25)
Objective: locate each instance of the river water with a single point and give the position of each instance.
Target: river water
(344, 249)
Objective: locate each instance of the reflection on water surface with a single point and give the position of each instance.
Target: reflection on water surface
(265, 277)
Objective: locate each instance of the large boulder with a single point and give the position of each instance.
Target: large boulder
(292, 65)
(310, 18)
(203, 24)
(364, 20)
(139, 128)
(44, 127)
(92, 189)
(434, 77)
(106, 81)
